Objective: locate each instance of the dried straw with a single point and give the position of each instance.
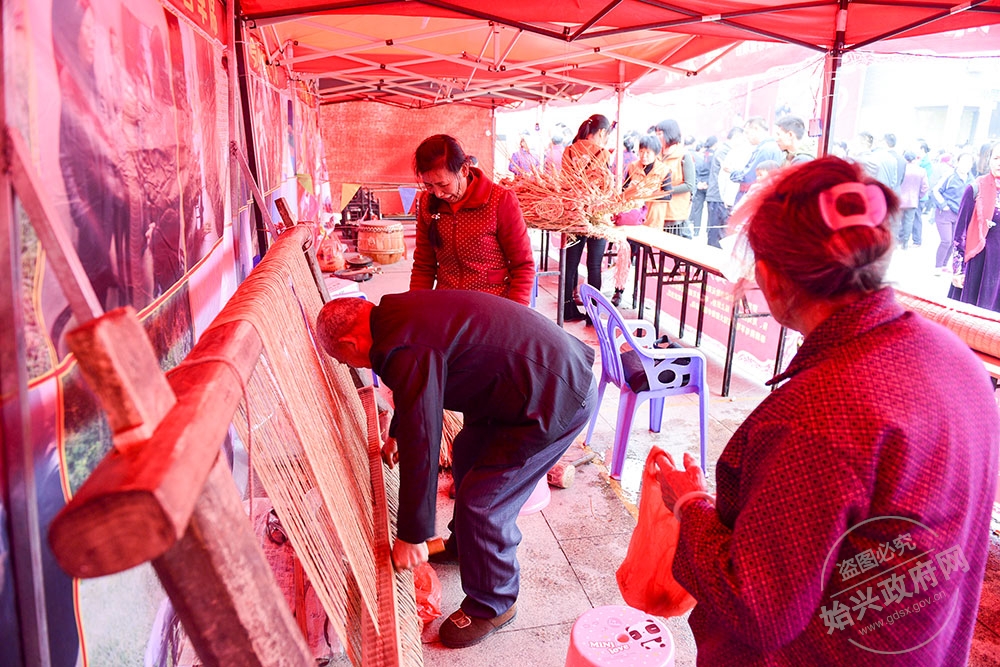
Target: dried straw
(577, 200)
(308, 432)
(582, 201)
(450, 427)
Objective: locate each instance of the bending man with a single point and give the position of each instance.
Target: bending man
(526, 389)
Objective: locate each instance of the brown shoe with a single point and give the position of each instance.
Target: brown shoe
(461, 630)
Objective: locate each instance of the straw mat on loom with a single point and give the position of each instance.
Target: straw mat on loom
(308, 441)
(978, 328)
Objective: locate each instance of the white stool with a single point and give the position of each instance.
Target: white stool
(619, 635)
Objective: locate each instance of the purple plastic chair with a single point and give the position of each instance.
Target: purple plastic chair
(642, 372)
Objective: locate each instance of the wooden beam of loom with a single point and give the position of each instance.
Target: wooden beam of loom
(286, 219)
(62, 255)
(258, 196)
(173, 499)
(379, 652)
(223, 589)
(150, 501)
(137, 503)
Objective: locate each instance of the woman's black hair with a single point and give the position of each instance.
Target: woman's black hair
(437, 152)
(671, 132)
(592, 126)
(651, 142)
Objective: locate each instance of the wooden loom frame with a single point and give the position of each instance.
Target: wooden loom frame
(163, 493)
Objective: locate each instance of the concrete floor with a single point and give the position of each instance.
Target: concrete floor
(572, 548)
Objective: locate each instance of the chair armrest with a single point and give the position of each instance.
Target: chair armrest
(650, 357)
(644, 336)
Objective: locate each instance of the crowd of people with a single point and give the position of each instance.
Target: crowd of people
(705, 180)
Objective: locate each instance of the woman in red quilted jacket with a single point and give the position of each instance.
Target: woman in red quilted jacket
(470, 231)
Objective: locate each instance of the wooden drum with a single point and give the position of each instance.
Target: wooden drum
(381, 241)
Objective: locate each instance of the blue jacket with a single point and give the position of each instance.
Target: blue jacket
(766, 150)
(951, 189)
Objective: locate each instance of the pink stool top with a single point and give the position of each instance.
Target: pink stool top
(619, 635)
(539, 498)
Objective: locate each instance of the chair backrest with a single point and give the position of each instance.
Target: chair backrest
(610, 328)
(671, 370)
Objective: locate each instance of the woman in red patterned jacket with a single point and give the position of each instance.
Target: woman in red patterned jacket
(852, 518)
(470, 231)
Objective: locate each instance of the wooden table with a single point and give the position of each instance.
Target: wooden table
(692, 263)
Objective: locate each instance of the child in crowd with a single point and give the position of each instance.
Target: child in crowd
(763, 169)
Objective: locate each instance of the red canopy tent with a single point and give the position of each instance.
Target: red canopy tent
(429, 52)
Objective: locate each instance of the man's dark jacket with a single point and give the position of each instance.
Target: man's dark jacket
(493, 360)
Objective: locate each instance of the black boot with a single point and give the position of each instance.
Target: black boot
(617, 298)
(571, 313)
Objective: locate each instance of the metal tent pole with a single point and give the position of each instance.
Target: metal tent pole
(830, 70)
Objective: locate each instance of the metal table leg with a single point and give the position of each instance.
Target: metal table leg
(659, 292)
(638, 269)
(543, 252)
(701, 308)
(684, 298)
(646, 253)
(560, 303)
(727, 368)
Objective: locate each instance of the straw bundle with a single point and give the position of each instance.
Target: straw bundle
(577, 203)
(450, 427)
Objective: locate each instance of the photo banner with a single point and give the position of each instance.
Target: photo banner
(309, 166)
(270, 126)
(126, 108)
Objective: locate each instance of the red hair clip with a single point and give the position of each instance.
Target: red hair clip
(871, 195)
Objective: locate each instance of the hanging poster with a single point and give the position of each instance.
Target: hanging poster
(309, 166)
(124, 108)
(265, 85)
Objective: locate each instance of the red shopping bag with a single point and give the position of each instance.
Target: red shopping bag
(645, 578)
(428, 590)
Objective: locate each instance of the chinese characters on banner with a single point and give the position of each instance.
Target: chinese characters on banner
(901, 579)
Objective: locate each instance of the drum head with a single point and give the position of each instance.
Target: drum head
(357, 260)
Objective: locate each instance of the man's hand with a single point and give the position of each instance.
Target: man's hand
(390, 453)
(406, 556)
(675, 483)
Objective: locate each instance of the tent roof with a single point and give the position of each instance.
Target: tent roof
(425, 52)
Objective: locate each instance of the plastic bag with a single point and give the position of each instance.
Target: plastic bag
(428, 589)
(329, 253)
(645, 578)
(631, 218)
